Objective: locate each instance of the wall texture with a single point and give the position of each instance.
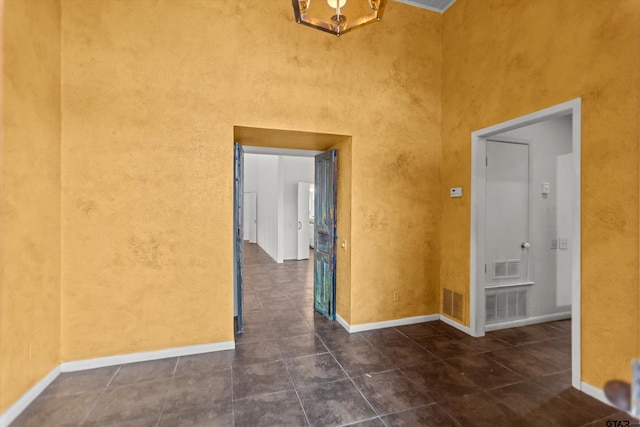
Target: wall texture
(29, 196)
(152, 91)
(507, 58)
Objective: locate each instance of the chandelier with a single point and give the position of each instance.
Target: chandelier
(337, 16)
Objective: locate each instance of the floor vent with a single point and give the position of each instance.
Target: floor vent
(505, 304)
(453, 304)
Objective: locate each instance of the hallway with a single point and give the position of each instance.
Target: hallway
(292, 367)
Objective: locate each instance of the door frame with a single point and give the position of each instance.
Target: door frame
(478, 219)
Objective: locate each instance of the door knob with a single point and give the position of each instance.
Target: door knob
(299, 225)
(525, 245)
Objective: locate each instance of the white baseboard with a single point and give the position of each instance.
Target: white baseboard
(387, 323)
(528, 321)
(100, 362)
(16, 409)
(594, 392)
(458, 326)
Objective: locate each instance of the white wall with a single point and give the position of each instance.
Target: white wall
(549, 268)
(268, 183)
(275, 180)
(296, 169)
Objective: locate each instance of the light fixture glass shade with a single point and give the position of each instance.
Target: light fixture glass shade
(322, 14)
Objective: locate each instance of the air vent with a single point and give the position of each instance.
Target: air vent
(506, 269)
(453, 304)
(505, 304)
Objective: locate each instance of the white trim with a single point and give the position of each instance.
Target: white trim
(594, 392)
(478, 190)
(100, 362)
(21, 404)
(528, 321)
(387, 323)
(467, 330)
(424, 6)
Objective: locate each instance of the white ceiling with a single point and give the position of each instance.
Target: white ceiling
(435, 5)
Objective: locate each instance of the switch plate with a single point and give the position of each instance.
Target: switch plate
(456, 192)
(554, 243)
(563, 243)
(546, 188)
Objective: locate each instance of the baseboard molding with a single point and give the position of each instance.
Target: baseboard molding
(528, 321)
(594, 392)
(100, 362)
(387, 323)
(16, 409)
(458, 326)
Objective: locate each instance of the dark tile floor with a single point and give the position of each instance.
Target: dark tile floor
(292, 367)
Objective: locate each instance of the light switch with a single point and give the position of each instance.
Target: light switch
(554, 243)
(546, 188)
(456, 192)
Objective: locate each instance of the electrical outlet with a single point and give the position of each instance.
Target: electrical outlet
(395, 295)
(563, 243)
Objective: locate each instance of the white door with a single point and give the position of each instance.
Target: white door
(250, 217)
(303, 220)
(507, 232)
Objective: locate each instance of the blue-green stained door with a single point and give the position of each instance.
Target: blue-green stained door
(238, 252)
(324, 251)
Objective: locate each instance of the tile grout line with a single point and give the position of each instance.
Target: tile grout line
(86, 417)
(166, 393)
(295, 389)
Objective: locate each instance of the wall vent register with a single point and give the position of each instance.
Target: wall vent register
(506, 269)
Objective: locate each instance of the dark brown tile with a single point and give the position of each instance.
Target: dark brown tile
(219, 415)
(301, 345)
(198, 391)
(385, 337)
(484, 344)
(375, 422)
(560, 385)
(146, 421)
(277, 409)
(485, 372)
(335, 403)
(406, 354)
(479, 410)
(340, 340)
(81, 381)
(426, 416)
(391, 391)
(315, 369)
(523, 363)
(255, 352)
(61, 410)
(443, 346)
(130, 401)
(555, 351)
(441, 380)
(534, 405)
(527, 334)
(363, 360)
(260, 378)
(154, 370)
(204, 364)
(419, 330)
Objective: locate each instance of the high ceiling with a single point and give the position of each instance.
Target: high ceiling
(435, 5)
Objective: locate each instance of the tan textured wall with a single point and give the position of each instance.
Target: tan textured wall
(151, 92)
(507, 58)
(29, 196)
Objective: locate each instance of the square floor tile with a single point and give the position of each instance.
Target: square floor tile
(363, 360)
(301, 345)
(63, 410)
(441, 380)
(484, 371)
(204, 364)
(218, 415)
(479, 410)
(260, 378)
(154, 370)
(190, 391)
(335, 403)
(426, 416)
(277, 409)
(315, 369)
(81, 381)
(523, 363)
(391, 391)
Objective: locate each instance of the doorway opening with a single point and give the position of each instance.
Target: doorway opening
(508, 287)
(277, 144)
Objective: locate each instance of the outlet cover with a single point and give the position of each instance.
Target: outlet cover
(456, 192)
